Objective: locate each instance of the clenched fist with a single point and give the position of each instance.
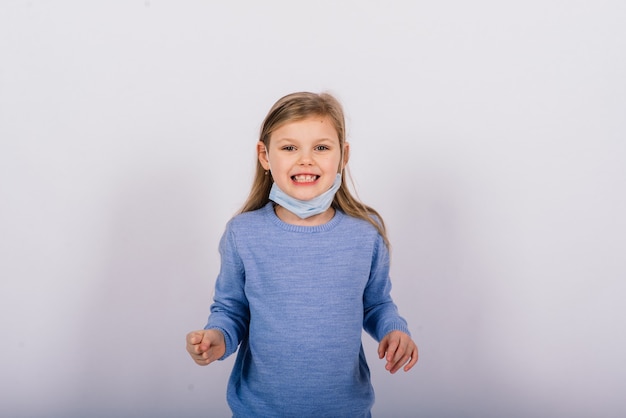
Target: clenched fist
(206, 346)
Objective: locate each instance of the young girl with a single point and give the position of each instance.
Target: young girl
(304, 268)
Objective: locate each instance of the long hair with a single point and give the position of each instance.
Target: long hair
(295, 107)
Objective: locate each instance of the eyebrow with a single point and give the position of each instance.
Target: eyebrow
(289, 139)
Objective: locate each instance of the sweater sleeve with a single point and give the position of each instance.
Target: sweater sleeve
(380, 314)
(230, 312)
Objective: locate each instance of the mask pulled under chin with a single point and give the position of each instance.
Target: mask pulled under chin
(305, 208)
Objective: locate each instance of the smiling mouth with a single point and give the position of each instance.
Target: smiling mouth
(304, 178)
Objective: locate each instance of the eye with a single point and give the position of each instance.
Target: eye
(288, 148)
(321, 148)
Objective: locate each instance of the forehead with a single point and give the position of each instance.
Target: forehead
(315, 127)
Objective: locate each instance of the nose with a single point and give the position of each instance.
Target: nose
(305, 157)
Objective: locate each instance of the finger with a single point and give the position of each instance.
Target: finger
(398, 354)
(195, 356)
(202, 362)
(393, 347)
(411, 357)
(401, 357)
(194, 337)
(382, 347)
(209, 356)
(398, 359)
(191, 349)
(397, 365)
(194, 350)
(194, 343)
(208, 340)
(411, 363)
(203, 358)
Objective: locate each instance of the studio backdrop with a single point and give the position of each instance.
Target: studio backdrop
(490, 136)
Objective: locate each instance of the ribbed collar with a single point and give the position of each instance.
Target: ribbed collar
(271, 214)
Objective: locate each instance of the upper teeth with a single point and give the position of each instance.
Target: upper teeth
(304, 178)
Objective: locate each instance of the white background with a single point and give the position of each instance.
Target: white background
(490, 135)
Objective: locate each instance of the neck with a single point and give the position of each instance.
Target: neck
(293, 219)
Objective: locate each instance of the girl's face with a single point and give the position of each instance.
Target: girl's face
(304, 156)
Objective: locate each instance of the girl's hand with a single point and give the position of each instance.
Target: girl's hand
(400, 349)
(206, 346)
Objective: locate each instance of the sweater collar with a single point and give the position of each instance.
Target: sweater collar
(271, 214)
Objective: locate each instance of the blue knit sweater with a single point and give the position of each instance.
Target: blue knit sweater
(295, 299)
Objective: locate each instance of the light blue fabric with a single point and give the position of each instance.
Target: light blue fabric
(295, 300)
(306, 208)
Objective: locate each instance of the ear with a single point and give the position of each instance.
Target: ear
(346, 155)
(262, 154)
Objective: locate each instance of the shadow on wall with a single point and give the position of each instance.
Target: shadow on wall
(149, 291)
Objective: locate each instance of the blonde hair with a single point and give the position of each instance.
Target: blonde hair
(295, 107)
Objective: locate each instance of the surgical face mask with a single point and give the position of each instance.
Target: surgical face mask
(306, 208)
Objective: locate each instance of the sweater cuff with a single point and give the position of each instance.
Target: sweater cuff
(393, 326)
